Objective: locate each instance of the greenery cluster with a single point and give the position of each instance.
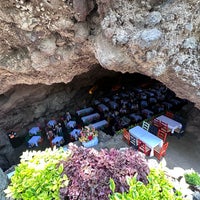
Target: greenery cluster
(192, 178)
(38, 176)
(158, 188)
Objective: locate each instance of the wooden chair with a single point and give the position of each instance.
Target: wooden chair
(162, 135)
(133, 142)
(126, 136)
(143, 148)
(160, 152)
(169, 114)
(145, 125)
(179, 132)
(156, 123)
(165, 127)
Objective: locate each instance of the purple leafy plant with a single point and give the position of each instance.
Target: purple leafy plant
(89, 172)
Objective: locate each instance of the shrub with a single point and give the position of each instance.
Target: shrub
(158, 188)
(192, 178)
(89, 172)
(38, 176)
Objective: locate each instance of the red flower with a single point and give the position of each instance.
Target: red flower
(90, 137)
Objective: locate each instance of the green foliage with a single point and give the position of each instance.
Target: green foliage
(158, 188)
(192, 178)
(38, 176)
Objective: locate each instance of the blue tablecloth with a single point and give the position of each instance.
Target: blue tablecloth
(90, 118)
(85, 111)
(103, 107)
(52, 122)
(100, 124)
(34, 130)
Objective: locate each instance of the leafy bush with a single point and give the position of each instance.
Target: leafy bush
(158, 188)
(192, 178)
(89, 172)
(38, 176)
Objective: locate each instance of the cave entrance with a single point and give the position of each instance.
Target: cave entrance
(110, 94)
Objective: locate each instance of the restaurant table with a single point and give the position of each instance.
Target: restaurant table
(34, 130)
(90, 118)
(149, 139)
(58, 139)
(152, 100)
(148, 113)
(167, 105)
(52, 122)
(84, 111)
(125, 121)
(96, 102)
(143, 104)
(103, 107)
(150, 94)
(75, 133)
(175, 102)
(71, 124)
(172, 124)
(100, 124)
(106, 100)
(136, 117)
(113, 105)
(116, 97)
(34, 141)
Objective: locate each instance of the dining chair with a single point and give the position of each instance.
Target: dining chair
(156, 122)
(160, 152)
(164, 127)
(145, 125)
(126, 136)
(162, 135)
(179, 132)
(143, 148)
(169, 114)
(153, 129)
(133, 142)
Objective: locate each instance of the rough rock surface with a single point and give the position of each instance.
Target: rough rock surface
(3, 184)
(46, 42)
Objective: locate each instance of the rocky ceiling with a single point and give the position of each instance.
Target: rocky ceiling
(45, 44)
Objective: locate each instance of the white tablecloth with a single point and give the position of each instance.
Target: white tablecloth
(149, 139)
(58, 139)
(34, 140)
(172, 124)
(34, 130)
(90, 118)
(84, 111)
(99, 124)
(71, 124)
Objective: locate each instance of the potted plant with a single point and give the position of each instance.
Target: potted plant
(89, 136)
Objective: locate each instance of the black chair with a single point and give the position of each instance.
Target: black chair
(133, 142)
(153, 129)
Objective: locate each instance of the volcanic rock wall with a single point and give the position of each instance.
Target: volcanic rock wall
(44, 42)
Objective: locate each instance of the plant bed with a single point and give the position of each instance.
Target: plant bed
(89, 172)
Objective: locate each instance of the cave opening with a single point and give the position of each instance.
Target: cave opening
(123, 94)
